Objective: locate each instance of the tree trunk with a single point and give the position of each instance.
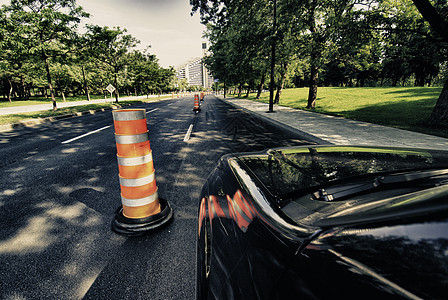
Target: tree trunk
(431, 15)
(261, 86)
(394, 81)
(10, 90)
(279, 91)
(47, 68)
(249, 88)
(282, 83)
(116, 87)
(439, 115)
(63, 96)
(86, 89)
(312, 94)
(27, 92)
(22, 87)
(240, 90)
(225, 89)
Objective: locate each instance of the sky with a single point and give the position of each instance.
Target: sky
(174, 35)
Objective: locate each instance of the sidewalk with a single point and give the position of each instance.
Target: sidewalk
(324, 129)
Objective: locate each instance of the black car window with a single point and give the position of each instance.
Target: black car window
(284, 171)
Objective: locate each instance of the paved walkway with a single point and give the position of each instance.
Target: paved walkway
(339, 131)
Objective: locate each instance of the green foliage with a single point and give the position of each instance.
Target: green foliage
(329, 42)
(41, 49)
(239, 36)
(351, 41)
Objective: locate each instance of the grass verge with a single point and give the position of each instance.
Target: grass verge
(405, 107)
(42, 100)
(17, 118)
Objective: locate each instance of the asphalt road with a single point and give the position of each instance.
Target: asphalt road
(59, 189)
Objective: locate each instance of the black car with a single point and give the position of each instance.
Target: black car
(325, 222)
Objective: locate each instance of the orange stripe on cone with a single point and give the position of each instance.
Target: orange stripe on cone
(130, 127)
(136, 169)
(196, 102)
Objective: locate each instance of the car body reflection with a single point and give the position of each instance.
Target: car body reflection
(263, 234)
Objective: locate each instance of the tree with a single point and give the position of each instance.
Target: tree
(289, 40)
(110, 47)
(46, 28)
(147, 75)
(14, 54)
(239, 33)
(437, 17)
(322, 19)
(64, 78)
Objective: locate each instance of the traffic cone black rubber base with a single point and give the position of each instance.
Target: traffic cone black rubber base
(135, 227)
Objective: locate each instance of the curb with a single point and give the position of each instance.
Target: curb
(273, 122)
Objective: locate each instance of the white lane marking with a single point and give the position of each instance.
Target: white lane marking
(187, 135)
(84, 135)
(152, 110)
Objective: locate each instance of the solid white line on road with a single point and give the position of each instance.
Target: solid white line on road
(152, 110)
(187, 135)
(84, 135)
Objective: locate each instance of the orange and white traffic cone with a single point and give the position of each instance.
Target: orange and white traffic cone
(142, 209)
(202, 96)
(196, 107)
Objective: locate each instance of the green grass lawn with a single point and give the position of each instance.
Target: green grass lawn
(16, 118)
(42, 100)
(405, 107)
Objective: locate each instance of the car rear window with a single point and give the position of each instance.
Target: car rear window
(290, 170)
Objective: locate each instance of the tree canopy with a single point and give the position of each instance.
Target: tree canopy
(42, 49)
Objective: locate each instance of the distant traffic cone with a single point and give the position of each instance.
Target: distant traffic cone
(202, 96)
(196, 107)
(142, 209)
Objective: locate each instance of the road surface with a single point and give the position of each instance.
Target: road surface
(59, 189)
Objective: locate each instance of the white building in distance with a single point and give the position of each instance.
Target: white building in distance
(195, 71)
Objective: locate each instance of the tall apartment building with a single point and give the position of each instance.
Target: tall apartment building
(195, 71)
